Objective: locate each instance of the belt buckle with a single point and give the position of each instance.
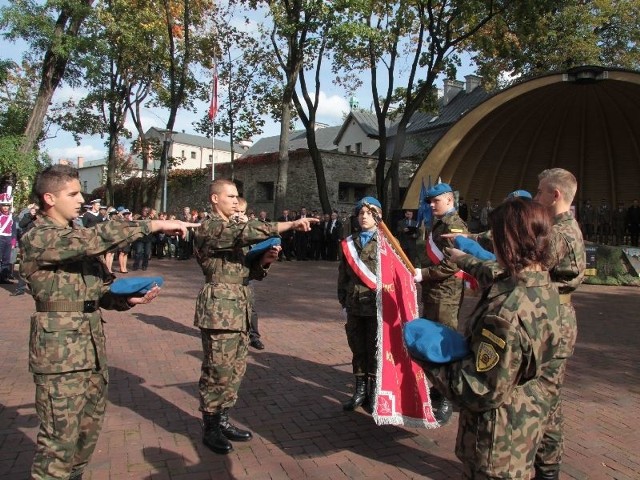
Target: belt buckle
(90, 306)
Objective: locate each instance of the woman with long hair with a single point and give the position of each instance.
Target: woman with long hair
(512, 336)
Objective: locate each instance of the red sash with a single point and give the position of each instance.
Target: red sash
(436, 256)
(357, 265)
(6, 222)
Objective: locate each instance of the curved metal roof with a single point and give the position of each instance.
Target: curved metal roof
(586, 120)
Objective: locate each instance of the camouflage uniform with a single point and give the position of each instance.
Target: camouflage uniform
(223, 305)
(513, 336)
(442, 292)
(360, 303)
(569, 258)
(67, 350)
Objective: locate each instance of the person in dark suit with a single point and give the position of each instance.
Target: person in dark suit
(287, 237)
(333, 233)
(407, 232)
(92, 216)
(301, 239)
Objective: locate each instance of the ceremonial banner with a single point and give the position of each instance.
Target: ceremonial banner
(402, 394)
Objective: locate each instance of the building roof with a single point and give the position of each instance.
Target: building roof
(297, 140)
(195, 140)
(367, 121)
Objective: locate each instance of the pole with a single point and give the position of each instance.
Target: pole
(165, 174)
(213, 149)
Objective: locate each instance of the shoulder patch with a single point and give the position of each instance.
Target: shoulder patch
(486, 358)
(456, 230)
(494, 338)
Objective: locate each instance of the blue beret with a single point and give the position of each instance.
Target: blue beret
(519, 193)
(473, 248)
(135, 285)
(438, 189)
(258, 249)
(369, 200)
(434, 342)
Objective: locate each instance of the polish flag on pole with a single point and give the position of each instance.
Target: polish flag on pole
(213, 107)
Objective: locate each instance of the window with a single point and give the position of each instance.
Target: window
(182, 154)
(359, 148)
(86, 187)
(352, 192)
(264, 191)
(347, 148)
(210, 158)
(193, 155)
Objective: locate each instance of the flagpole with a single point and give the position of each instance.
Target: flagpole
(213, 109)
(213, 150)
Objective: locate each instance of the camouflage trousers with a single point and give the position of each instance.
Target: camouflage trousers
(501, 443)
(362, 331)
(71, 409)
(223, 366)
(549, 455)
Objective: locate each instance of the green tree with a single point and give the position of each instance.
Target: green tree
(559, 35)
(53, 32)
(409, 41)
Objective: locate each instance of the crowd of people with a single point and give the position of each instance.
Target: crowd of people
(519, 337)
(598, 223)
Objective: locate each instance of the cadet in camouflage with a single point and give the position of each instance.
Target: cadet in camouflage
(556, 190)
(442, 289)
(357, 296)
(63, 266)
(514, 335)
(223, 307)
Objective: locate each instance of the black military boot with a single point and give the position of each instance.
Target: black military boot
(359, 395)
(553, 474)
(371, 394)
(231, 431)
(213, 436)
(442, 408)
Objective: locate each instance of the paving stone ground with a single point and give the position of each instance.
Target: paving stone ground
(293, 389)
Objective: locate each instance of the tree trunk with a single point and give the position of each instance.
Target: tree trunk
(283, 160)
(54, 66)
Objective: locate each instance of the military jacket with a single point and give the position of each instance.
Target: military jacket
(513, 335)
(220, 247)
(353, 294)
(63, 264)
(439, 285)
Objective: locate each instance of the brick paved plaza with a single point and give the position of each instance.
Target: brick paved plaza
(293, 389)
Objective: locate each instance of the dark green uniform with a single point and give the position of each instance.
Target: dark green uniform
(360, 304)
(442, 291)
(223, 305)
(67, 349)
(514, 335)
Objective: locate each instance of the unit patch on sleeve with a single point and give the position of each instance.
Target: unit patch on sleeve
(486, 358)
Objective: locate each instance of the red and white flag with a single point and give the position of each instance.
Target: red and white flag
(213, 107)
(402, 393)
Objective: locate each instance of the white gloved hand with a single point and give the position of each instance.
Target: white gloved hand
(344, 313)
(418, 276)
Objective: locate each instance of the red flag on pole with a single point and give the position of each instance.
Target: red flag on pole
(213, 107)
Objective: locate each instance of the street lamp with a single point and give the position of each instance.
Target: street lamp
(165, 151)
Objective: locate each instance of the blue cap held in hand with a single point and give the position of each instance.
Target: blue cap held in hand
(433, 342)
(135, 285)
(374, 202)
(473, 248)
(438, 189)
(519, 194)
(258, 249)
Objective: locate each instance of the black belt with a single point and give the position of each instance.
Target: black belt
(87, 306)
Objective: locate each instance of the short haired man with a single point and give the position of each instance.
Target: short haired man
(222, 307)
(442, 286)
(67, 354)
(556, 190)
